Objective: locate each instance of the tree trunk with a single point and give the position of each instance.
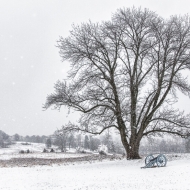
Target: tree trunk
(132, 149)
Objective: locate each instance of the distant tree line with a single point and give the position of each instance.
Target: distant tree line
(170, 145)
(33, 138)
(75, 140)
(81, 141)
(6, 140)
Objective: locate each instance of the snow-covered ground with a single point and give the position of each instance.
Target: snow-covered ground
(18, 146)
(110, 175)
(36, 150)
(90, 175)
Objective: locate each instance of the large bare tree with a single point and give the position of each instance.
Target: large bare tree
(126, 74)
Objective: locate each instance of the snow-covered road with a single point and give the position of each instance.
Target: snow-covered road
(104, 175)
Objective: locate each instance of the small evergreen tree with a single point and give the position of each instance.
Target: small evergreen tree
(48, 143)
(71, 141)
(94, 143)
(187, 145)
(16, 137)
(61, 139)
(86, 142)
(103, 149)
(112, 147)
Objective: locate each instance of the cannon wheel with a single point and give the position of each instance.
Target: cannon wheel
(161, 160)
(148, 158)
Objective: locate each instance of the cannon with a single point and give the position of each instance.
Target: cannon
(151, 161)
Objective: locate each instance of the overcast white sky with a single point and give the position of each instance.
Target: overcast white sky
(30, 62)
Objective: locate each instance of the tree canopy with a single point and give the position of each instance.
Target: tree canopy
(126, 74)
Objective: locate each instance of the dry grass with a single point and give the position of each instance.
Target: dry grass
(31, 161)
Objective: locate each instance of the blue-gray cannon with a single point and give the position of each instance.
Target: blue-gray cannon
(152, 161)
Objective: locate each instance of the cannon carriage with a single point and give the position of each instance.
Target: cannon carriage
(151, 161)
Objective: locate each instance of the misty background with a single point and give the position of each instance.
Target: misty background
(30, 62)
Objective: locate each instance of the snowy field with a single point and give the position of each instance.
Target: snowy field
(36, 149)
(110, 175)
(89, 174)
